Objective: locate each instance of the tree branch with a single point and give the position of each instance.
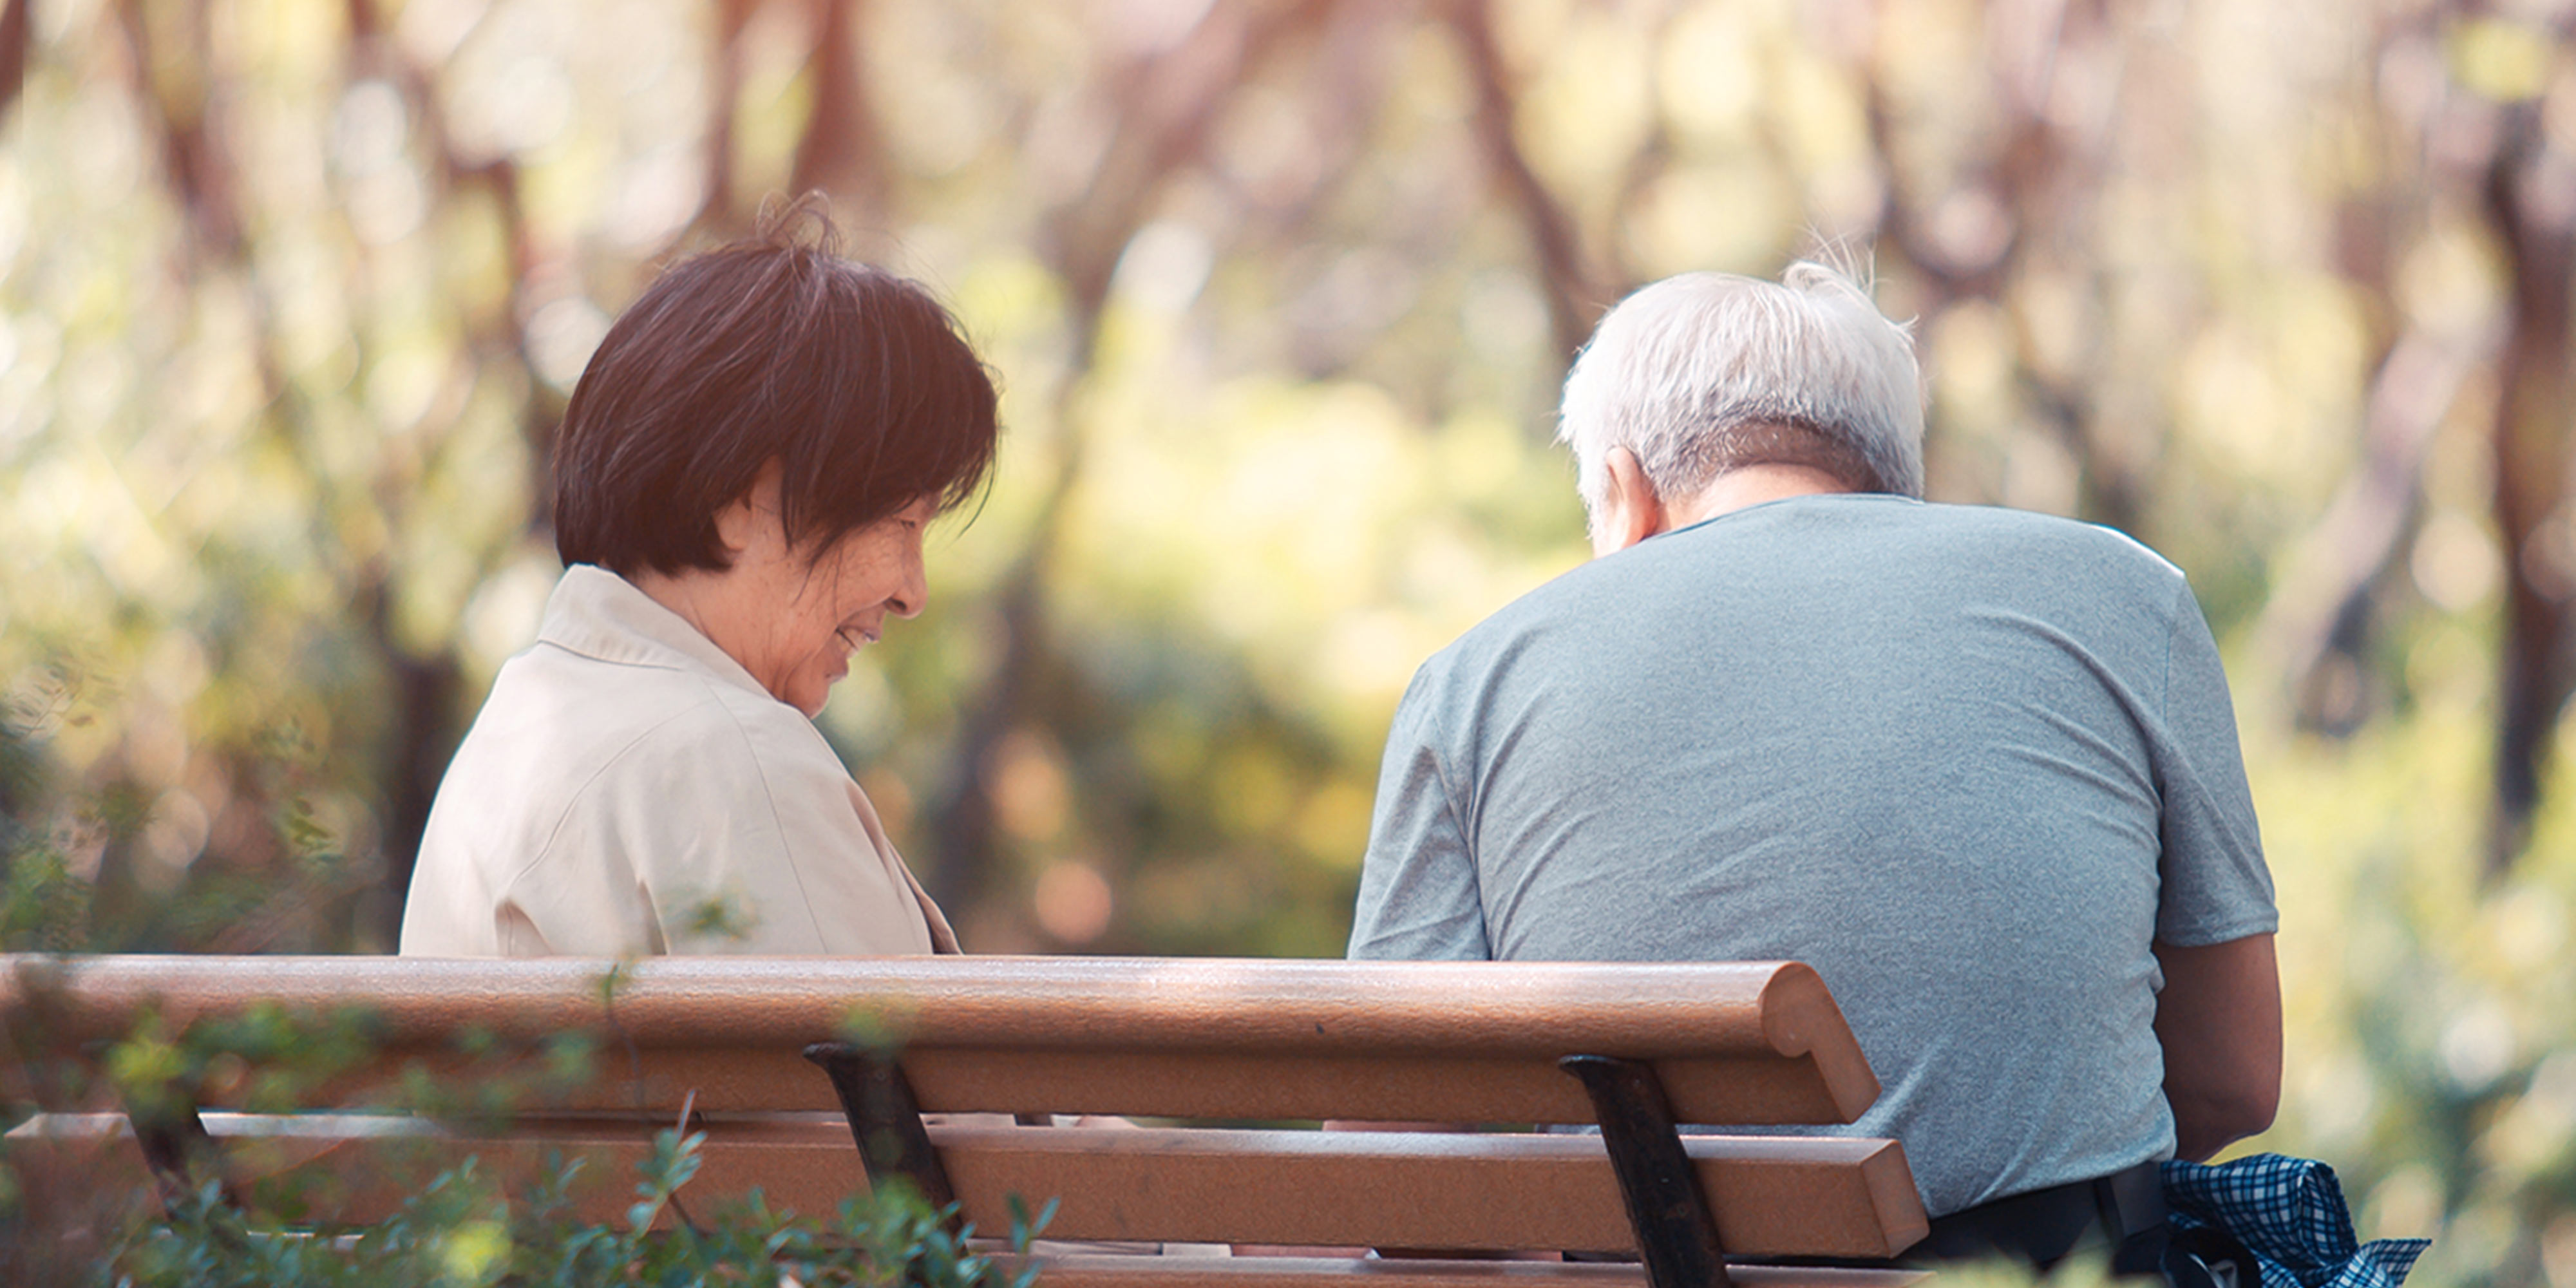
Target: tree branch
(842, 149)
(1168, 103)
(2327, 581)
(2530, 439)
(14, 38)
(1574, 293)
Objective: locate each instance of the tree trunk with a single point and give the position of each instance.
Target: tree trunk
(2530, 442)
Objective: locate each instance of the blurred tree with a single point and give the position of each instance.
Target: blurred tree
(2530, 190)
(13, 53)
(1160, 109)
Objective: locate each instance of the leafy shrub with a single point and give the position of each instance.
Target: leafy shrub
(462, 1231)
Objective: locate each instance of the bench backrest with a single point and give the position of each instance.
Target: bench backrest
(1172, 1038)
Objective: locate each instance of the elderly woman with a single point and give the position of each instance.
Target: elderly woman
(741, 484)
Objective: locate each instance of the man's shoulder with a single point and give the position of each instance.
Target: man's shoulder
(1871, 542)
(1812, 552)
(2059, 561)
(1894, 536)
(2033, 528)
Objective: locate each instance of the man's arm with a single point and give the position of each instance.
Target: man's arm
(1418, 895)
(2219, 1022)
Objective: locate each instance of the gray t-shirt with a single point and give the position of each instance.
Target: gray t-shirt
(1968, 763)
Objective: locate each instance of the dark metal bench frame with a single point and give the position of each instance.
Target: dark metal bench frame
(1676, 1234)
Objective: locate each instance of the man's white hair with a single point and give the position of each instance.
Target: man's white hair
(1681, 366)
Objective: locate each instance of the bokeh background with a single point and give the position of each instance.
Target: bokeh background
(1280, 292)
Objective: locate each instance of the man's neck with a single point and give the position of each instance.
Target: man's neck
(1751, 485)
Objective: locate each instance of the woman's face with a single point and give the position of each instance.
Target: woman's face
(794, 625)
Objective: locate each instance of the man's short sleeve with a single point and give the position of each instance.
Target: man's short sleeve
(2215, 885)
(1419, 897)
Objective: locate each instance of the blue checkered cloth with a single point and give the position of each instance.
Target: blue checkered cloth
(2290, 1213)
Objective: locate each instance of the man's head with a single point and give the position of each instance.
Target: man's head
(1705, 374)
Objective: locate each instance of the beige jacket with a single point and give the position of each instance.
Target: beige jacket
(629, 789)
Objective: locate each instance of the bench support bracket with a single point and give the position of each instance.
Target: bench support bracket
(1676, 1234)
(885, 1121)
(178, 1152)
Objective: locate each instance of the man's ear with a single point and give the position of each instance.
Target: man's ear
(1629, 511)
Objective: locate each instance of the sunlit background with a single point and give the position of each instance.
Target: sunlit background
(1280, 293)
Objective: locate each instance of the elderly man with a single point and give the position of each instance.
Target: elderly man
(1976, 766)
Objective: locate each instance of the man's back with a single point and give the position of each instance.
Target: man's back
(1968, 763)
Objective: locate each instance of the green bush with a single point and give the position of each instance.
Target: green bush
(463, 1228)
(462, 1231)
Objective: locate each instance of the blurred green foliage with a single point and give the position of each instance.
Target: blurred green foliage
(461, 1232)
(291, 293)
(82, 1224)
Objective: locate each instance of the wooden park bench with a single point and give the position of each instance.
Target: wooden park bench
(735, 1044)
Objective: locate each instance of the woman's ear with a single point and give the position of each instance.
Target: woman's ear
(753, 517)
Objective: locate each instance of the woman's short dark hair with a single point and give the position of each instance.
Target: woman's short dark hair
(854, 380)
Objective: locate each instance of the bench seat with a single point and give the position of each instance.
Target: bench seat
(1234, 1053)
(1091, 1271)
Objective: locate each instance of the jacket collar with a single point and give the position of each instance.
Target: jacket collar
(600, 615)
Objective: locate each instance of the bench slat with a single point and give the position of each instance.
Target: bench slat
(1754, 1043)
(1775, 1196)
(1165, 1084)
(1382, 1088)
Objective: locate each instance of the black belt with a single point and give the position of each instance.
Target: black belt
(2123, 1213)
